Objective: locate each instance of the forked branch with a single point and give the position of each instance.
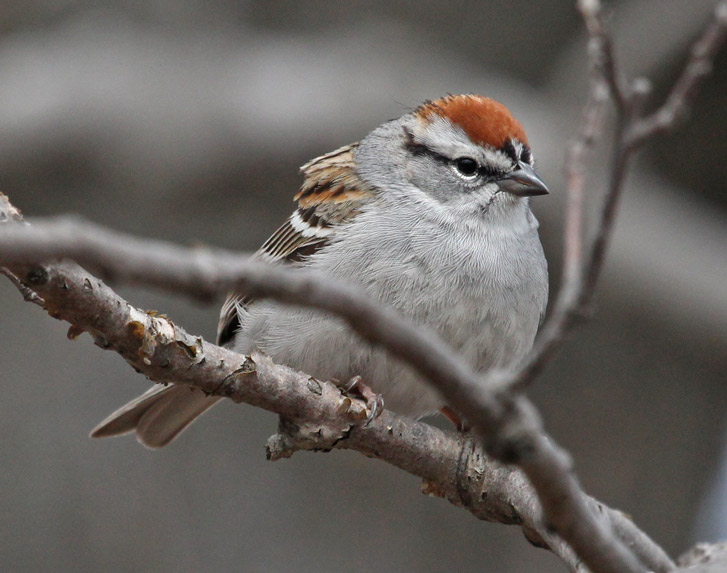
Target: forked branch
(584, 257)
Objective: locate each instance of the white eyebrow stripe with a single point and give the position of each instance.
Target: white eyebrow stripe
(443, 137)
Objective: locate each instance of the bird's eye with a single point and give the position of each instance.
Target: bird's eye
(466, 167)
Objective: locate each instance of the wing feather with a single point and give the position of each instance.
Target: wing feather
(331, 195)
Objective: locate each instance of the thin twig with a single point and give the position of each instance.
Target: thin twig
(634, 130)
(600, 53)
(28, 294)
(579, 284)
(567, 308)
(685, 89)
(10, 213)
(575, 168)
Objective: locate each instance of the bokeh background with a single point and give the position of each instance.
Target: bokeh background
(186, 120)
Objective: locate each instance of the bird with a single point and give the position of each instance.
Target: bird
(429, 214)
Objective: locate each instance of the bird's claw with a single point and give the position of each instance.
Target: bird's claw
(356, 388)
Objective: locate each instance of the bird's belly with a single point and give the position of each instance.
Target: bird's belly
(326, 348)
(453, 286)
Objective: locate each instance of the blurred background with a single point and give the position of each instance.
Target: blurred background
(187, 120)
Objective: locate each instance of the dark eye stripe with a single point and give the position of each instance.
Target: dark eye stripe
(486, 171)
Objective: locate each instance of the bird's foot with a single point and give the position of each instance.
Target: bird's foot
(453, 417)
(356, 388)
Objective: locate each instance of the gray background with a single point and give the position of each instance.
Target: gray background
(186, 120)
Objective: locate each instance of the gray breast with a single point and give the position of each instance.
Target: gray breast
(452, 282)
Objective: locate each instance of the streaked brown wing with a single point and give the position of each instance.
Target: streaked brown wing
(331, 194)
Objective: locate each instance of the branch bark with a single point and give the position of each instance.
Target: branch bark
(316, 415)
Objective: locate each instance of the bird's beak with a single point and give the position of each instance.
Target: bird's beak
(523, 182)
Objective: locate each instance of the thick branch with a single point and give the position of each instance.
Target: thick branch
(505, 423)
(508, 426)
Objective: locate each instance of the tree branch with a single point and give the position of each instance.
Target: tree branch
(507, 425)
(314, 414)
(580, 276)
(634, 129)
(676, 105)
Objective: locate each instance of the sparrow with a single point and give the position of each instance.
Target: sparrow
(429, 214)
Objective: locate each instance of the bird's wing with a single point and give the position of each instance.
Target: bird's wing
(332, 194)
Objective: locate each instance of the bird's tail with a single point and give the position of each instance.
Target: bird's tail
(158, 416)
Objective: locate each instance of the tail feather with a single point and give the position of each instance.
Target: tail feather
(158, 416)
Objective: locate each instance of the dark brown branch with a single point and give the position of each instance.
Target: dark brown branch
(507, 425)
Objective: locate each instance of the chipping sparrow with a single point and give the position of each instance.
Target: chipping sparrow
(429, 213)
